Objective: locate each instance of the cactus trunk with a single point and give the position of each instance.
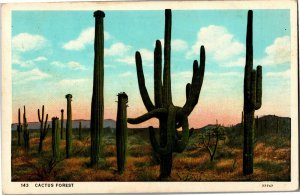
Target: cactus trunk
(62, 124)
(170, 117)
(121, 131)
(19, 127)
(26, 135)
(252, 98)
(43, 128)
(98, 85)
(55, 138)
(69, 127)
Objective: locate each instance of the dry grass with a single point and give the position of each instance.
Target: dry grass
(271, 163)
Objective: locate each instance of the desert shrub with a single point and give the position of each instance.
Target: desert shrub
(269, 166)
(146, 176)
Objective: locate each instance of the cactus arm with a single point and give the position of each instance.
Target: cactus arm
(141, 81)
(258, 87)
(167, 96)
(187, 91)
(154, 113)
(197, 81)
(157, 75)
(155, 144)
(182, 143)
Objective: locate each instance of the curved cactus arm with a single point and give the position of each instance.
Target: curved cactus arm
(167, 95)
(155, 145)
(141, 81)
(187, 91)
(157, 75)
(152, 114)
(258, 87)
(181, 144)
(197, 80)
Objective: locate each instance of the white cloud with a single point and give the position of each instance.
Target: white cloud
(240, 62)
(72, 82)
(278, 53)
(183, 74)
(176, 44)
(86, 37)
(147, 57)
(218, 42)
(283, 74)
(117, 49)
(130, 60)
(23, 77)
(109, 66)
(58, 64)
(24, 42)
(224, 74)
(126, 74)
(27, 63)
(75, 65)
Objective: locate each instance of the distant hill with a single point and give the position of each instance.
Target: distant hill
(75, 124)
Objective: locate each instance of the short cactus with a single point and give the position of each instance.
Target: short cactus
(69, 127)
(121, 131)
(55, 138)
(79, 131)
(43, 128)
(170, 117)
(19, 127)
(252, 98)
(26, 135)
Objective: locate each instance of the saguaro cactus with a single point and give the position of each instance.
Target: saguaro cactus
(98, 85)
(252, 98)
(19, 127)
(55, 138)
(43, 128)
(79, 131)
(69, 126)
(62, 124)
(121, 131)
(170, 117)
(25, 132)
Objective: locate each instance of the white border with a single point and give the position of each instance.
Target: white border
(143, 187)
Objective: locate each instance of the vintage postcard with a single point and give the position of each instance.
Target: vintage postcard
(139, 97)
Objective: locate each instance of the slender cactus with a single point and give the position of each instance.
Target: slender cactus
(69, 127)
(170, 117)
(19, 127)
(121, 131)
(55, 138)
(252, 98)
(97, 106)
(62, 124)
(43, 128)
(26, 135)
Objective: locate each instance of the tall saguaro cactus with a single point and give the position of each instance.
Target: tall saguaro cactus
(55, 138)
(170, 117)
(69, 126)
(43, 128)
(62, 124)
(252, 98)
(98, 85)
(19, 127)
(121, 131)
(25, 132)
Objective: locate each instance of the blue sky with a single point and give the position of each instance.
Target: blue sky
(52, 55)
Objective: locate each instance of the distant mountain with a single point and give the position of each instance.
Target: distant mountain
(108, 123)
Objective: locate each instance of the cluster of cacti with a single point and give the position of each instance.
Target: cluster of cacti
(55, 138)
(252, 98)
(62, 124)
(43, 128)
(170, 117)
(69, 127)
(19, 127)
(98, 85)
(211, 138)
(121, 131)
(26, 135)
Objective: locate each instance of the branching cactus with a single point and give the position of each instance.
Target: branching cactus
(252, 98)
(69, 126)
(170, 117)
(43, 128)
(62, 124)
(98, 85)
(19, 127)
(121, 131)
(25, 132)
(55, 138)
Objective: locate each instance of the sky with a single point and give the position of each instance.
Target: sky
(53, 55)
